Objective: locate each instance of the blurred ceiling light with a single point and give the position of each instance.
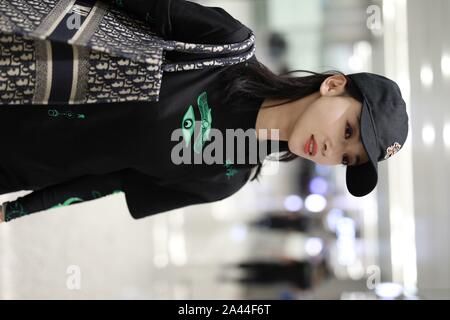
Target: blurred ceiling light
(293, 203)
(446, 134)
(428, 134)
(318, 185)
(362, 56)
(314, 246)
(356, 270)
(445, 65)
(333, 217)
(346, 228)
(388, 290)
(426, 76)
(363, 49)
(315, 202)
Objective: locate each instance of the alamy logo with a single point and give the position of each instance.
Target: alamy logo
(374, 17)
(76, 12)
(73, 281)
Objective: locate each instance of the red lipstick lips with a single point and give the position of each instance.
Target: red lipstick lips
(307, 147)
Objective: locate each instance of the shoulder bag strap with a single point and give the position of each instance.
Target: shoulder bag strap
(244, 51)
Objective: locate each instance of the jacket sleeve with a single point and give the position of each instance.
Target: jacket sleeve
(82, 189)
(183, 20)
(146, 196)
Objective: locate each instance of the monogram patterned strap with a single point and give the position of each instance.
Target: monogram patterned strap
(48, 24)
(210, 49)
(208, 63)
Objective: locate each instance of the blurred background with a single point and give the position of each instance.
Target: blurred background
(297, 234)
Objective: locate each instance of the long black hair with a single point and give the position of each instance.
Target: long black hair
(254, 80)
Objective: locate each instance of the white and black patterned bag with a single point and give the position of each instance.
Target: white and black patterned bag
(85, 51)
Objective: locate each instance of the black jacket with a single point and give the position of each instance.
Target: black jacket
(75, 153)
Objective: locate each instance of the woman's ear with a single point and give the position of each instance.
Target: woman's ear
(333, 85)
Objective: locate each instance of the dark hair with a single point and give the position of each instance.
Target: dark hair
(254, 80)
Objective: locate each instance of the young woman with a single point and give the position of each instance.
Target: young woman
(74, 153)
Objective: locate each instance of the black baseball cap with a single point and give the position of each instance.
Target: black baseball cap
(384, 128)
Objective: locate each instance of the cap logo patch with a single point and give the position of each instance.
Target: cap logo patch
(390, 151)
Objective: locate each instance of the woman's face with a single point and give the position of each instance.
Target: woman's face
(333, 122)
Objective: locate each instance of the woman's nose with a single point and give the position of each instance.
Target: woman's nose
(329, 149)
(326, 149)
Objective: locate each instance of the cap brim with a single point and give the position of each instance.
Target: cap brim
(362, 179)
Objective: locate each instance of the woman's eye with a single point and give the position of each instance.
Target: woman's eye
(348, 134)
(348, 130)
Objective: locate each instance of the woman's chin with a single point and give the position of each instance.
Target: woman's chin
(295, 150)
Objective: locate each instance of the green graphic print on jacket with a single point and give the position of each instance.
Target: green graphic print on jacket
(68, 115)
(69, 201)
(230, 170)
(188, 123)
(15, 209)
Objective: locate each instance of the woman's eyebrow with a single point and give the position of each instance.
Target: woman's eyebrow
(358, 158)
(359, 127)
